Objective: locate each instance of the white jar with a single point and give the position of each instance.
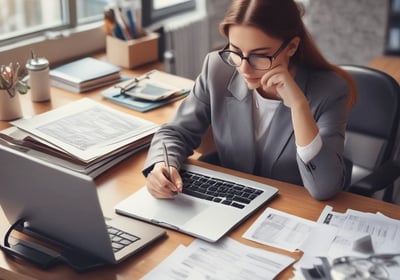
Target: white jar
(39, 79)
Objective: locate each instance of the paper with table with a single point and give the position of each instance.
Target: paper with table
(334, 241)
(353, 240)
(367, 246)
(334, 234)
(288, 232)
(227, 259)
(84, 133)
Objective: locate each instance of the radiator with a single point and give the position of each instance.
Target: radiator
(186, 44)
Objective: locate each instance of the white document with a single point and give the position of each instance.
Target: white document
(226, 259)
(362, 241)
(362, 233)
(285, 231)
(86, 129)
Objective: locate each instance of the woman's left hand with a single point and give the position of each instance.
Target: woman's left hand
(281, 82)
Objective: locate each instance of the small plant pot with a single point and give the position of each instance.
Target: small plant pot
(10, 107)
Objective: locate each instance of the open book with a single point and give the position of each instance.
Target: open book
(83, 135)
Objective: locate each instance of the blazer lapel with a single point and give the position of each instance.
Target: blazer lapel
(279, 134)
(241, 118)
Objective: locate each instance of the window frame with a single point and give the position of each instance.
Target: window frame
(61, 38)
(151, 15)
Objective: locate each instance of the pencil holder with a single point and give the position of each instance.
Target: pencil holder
(132, 53)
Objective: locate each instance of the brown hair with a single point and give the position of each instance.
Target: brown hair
(283, 19)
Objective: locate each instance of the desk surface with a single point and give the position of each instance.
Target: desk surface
(388, 64)
(125, 178)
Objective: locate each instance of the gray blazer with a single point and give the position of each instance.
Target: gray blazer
(221, 98)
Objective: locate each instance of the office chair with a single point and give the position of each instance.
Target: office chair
(371, 133)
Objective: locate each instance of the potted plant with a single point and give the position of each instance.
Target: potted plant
(11, 83)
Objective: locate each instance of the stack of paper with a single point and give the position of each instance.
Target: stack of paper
(366, 246)
(351, 245)
(84, 74)
(84, 135)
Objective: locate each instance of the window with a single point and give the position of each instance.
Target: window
(155, 10)
(90, 10)
(21, 19)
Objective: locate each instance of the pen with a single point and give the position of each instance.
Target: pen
(132, 83)
(132, 23)
(166, 161)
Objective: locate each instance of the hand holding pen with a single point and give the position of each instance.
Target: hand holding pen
(164, 180)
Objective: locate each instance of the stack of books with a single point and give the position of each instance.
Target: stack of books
(84, 136)
(84, 75)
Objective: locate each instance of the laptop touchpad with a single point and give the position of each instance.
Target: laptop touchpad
(179, 210)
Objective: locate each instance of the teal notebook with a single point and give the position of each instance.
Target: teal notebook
(114, 94)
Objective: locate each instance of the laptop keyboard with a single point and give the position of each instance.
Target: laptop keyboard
(217, 190)
(120, 239)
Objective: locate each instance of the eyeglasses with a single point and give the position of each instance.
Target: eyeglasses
(257, 61)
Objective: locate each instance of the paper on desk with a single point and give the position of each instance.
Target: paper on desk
(357, 228)
(227, 259)
(367, 236)
(86, 129)
(289, 232)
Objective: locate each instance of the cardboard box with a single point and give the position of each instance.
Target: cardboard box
(132, 53)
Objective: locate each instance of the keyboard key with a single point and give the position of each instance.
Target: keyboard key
(129, 236)
(241, 199)
(237, 205)
(120, 239)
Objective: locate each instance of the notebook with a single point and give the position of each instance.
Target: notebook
(63, 206)
(198, 214)
(85, 74)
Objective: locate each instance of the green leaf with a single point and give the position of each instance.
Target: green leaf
(22, 87)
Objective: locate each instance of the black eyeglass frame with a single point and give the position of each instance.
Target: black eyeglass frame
(271, 58)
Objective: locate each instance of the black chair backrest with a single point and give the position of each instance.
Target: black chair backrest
(373, 121)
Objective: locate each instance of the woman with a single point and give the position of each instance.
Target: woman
(277, 108)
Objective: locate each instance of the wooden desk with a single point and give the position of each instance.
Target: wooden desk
(387, 64)
(125, 178)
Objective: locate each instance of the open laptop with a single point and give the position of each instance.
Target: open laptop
(206, 209)
(63, 206)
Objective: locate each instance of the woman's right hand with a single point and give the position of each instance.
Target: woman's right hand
(160, 186)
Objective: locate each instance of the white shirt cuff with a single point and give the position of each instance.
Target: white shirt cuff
(306, 153)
